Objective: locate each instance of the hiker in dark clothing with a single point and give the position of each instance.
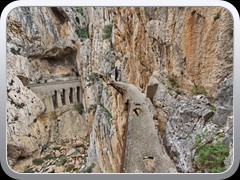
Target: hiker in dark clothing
(116, 73)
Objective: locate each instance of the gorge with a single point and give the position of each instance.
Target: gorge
(170, 111)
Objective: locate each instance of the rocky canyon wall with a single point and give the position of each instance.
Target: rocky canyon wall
(179, 53)
(192, 44)
(41, 48)
(173, 54)
(180, 58)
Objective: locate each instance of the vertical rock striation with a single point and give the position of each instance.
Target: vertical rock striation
(194, 44)
(181, 58)
(41, 48)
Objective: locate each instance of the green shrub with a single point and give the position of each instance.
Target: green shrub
(80, 108)
(106, 111)
(89, 169)
(79, 10)
(92, 107)
(212, 108)
(173, 84)
(70, 167)
(196, 90)
(217, 16)
(211, 157)
(28, 171)
(107, 31)
(91, 78)
(38, 161)
(56, 148)
(48, 157)
(82, 33)
(198, 140)
(173, 80)
(178, 91)
(62, 160)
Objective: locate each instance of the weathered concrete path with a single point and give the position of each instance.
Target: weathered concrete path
(144, 152)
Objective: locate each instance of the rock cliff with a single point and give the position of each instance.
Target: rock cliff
(41, 48)
(178, 60)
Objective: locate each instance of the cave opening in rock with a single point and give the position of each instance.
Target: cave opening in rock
(59, 14)
(55, 65)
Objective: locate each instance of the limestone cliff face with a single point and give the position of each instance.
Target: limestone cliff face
(194, 44)
(41, 48)
(179, 52)
(49, 49)
(179, 58)
(106, 107)
(188, 50)
(161, 41)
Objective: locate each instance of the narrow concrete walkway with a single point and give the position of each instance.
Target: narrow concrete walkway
(54, 83)
(144, 152)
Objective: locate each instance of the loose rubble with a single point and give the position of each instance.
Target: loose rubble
(59, 158)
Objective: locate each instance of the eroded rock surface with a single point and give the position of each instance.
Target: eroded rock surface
(179, 58)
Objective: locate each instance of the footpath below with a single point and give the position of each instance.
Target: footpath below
(144, 153)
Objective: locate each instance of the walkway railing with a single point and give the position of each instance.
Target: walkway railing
(58, 94)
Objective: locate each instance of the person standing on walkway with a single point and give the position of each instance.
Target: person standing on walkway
(116, 73)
